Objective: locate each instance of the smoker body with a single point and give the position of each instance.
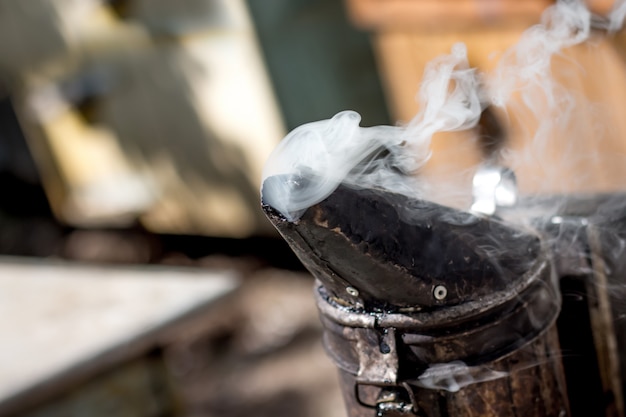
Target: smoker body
(587, 235)
(473, 372)
(429, 311)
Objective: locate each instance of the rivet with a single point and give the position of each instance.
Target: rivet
(440, 292)
(352, 291)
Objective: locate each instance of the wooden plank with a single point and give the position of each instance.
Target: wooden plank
(63, 323)
(438, 15)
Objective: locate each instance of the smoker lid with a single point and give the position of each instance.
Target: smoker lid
(396, 252)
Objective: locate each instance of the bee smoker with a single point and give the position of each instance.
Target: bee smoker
(430, 311)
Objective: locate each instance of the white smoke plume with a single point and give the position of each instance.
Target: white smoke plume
(525, 86)
(315, 158)
(455, 375)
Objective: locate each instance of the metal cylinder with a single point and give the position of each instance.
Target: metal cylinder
(497, 363)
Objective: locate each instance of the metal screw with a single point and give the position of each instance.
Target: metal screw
(352, 291)
(440, 292)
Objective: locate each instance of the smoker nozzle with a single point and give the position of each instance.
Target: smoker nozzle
(387, 251)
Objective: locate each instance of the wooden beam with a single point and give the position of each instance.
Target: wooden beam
(443, 14)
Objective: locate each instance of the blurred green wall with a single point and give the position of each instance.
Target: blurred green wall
(319, 64)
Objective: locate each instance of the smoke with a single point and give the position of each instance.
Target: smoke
(526, 67)
(539, 85)
(315, 158)
(455, 375)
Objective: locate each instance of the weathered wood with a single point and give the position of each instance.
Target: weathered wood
(64, 324)
(437, 14)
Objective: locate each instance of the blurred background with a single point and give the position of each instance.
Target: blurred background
(138, 275)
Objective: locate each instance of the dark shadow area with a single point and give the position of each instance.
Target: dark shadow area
(579, 353)
(26, 222)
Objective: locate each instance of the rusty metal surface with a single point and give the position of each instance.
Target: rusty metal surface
(532, 385)
(375, 358)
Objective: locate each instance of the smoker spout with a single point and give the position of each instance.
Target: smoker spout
(387, 251)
